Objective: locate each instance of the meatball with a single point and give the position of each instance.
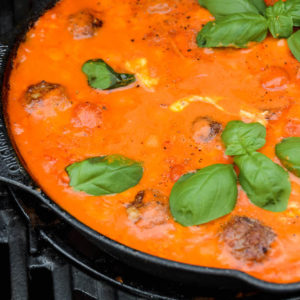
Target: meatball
(87, 115)
(46, 98)
(205, 129)
(248, 239)
(149, 209)
(84, 24)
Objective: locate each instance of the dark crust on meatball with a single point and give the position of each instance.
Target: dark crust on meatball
(248, 239)
(215, 129)
(84, 24)
(44, 91)
(37, 92)
(138, 199)
(45, 99)
(273, 114)
(149, 208)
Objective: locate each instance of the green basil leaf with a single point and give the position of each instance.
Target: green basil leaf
(206, 195)
(260, 5)
(105, 175)
(101, 76)
(219, 8)
(288, 151)
(202, 3)
(241, 138)
(276, 10)
(294, 44)
(293, 9)
(233, 31)
(267, 184)
(281, 26)
(280, 22)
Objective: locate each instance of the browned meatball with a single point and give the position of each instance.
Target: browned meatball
(46, 98)
(149, 208)
(248, 239)
(204, 129)
(84, 24)
(39, 91)
(87, 115)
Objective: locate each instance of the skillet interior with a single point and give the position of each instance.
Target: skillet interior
(12, 172)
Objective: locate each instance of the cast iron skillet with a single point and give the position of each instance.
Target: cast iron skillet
(14, 172)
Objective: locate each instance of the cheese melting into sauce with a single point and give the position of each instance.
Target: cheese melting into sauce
(140, 68)
(247, 114)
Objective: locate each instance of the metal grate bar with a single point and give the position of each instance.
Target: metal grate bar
(61, 282)
(83, 282)
(107, 292)
(124, 296)
(18, 259)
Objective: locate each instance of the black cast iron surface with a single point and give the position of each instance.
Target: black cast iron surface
(223, 283)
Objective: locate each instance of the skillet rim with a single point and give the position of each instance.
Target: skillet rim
(26, 180)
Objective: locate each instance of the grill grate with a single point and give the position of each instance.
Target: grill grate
(32, 270)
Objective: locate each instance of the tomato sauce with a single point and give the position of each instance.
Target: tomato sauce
(155, 39)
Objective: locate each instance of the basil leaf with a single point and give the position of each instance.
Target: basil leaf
(205, 33)
(260, 5)
(276, 10)
(281, 26)
(266, 183)
(293, 9)
(280, 22)
(294, 44)
(101, 76)
(288, 151)
(206, 195)
(105, 175)
(202, 3)
(241, 138)
(219, 8)
(234, 31)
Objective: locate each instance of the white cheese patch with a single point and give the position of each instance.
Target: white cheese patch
(254, 116)
(186, 101)
(247, 114)
(140, 69)
(281, 43)
(292, 212)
